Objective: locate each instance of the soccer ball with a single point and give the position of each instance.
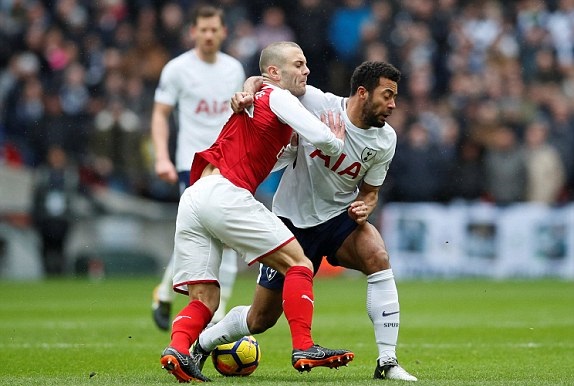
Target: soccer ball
(239, 358)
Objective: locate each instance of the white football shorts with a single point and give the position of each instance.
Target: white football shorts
(212, 213)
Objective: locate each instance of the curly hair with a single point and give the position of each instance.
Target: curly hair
(368, 75)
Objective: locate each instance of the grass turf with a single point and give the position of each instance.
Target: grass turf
(462, 332)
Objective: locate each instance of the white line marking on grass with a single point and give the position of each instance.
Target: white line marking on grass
(66, 346)
(481, 345)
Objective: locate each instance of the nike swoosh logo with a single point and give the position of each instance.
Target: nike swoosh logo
(385, 313)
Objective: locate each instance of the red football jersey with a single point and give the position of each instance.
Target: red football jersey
(248, 146)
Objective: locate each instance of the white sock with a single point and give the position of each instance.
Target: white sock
(383, 309)
(165, 291)
(227, 274)
(229, 329)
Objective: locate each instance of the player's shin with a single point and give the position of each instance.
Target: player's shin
(187, 325)
(229, 329)
(383, 309)
(298, 303)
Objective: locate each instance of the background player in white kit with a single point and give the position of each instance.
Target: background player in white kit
(325, 201)
(199, 82)
(219, 208)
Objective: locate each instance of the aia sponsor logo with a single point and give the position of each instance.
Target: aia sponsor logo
(335, 165)
(212, 107)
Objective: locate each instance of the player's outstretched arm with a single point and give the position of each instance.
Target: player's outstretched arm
(290, 111)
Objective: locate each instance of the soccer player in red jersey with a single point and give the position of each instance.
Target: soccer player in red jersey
(219, 209)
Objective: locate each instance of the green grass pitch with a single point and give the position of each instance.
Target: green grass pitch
(460, 332)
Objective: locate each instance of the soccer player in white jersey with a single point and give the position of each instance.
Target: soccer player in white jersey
(325, 201)
(219, 209)
(199, 84)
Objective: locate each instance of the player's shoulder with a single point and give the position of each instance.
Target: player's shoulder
(276, 91)
(379, 138)
(386, 137)
(180, 61)
(314, 92)
(228, 59)
(317, 100)
(388, 131)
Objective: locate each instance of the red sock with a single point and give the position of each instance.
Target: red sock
(298, 305)
(188, 324)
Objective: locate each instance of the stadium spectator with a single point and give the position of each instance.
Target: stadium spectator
(146, 57)
(465, 175)
(236, 11)
(344, 36)
(560, 26)
(505, 167)
(244, 46)
(171, 24)
(546, 175)
(56, 183)
(273, 27)
(561, 135)
(419, 167)
(115, 145)
(310, 20)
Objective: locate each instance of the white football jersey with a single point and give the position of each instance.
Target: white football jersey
(314, 187)
(201, 91)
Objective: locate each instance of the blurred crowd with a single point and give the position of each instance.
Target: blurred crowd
(485, 108)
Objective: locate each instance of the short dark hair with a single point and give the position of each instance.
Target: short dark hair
(368, 75)
(205, 10)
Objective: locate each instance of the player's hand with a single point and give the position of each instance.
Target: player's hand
(165, 170)
(359, 212)
(335, 123)
(253, 84)
(241, 100)
(294, 139)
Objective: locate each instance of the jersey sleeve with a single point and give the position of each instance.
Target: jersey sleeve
(377, 173)
(168, 88)
(317, 101)
(290, 111)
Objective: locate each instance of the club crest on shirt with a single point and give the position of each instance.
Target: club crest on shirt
(368, 154)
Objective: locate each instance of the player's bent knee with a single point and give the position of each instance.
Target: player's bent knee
(260, 324)
(376, 262)
(303, 263)
(286, 258)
